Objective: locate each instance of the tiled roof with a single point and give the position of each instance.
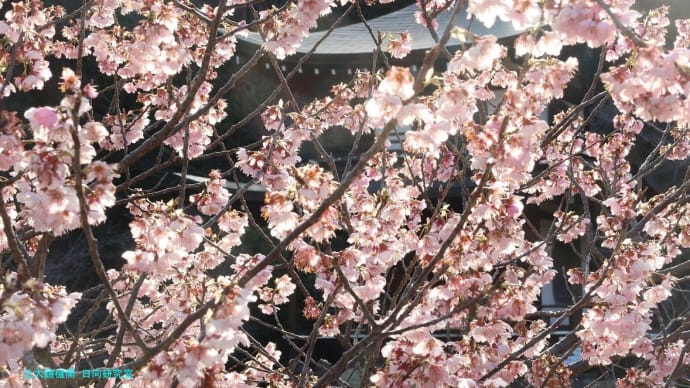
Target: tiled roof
(356, 39)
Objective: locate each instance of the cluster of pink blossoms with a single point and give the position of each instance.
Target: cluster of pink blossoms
(285, 31)
(30, 315)
(46, 183)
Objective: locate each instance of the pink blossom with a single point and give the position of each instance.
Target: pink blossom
(11, 152)
(214, 199)
(44, 117)
(481, 56)
(486, 11)
(401, 46)
(273, 117)
(398, 82)
(394, 89)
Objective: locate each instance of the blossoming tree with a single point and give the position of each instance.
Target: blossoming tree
(412, 267)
